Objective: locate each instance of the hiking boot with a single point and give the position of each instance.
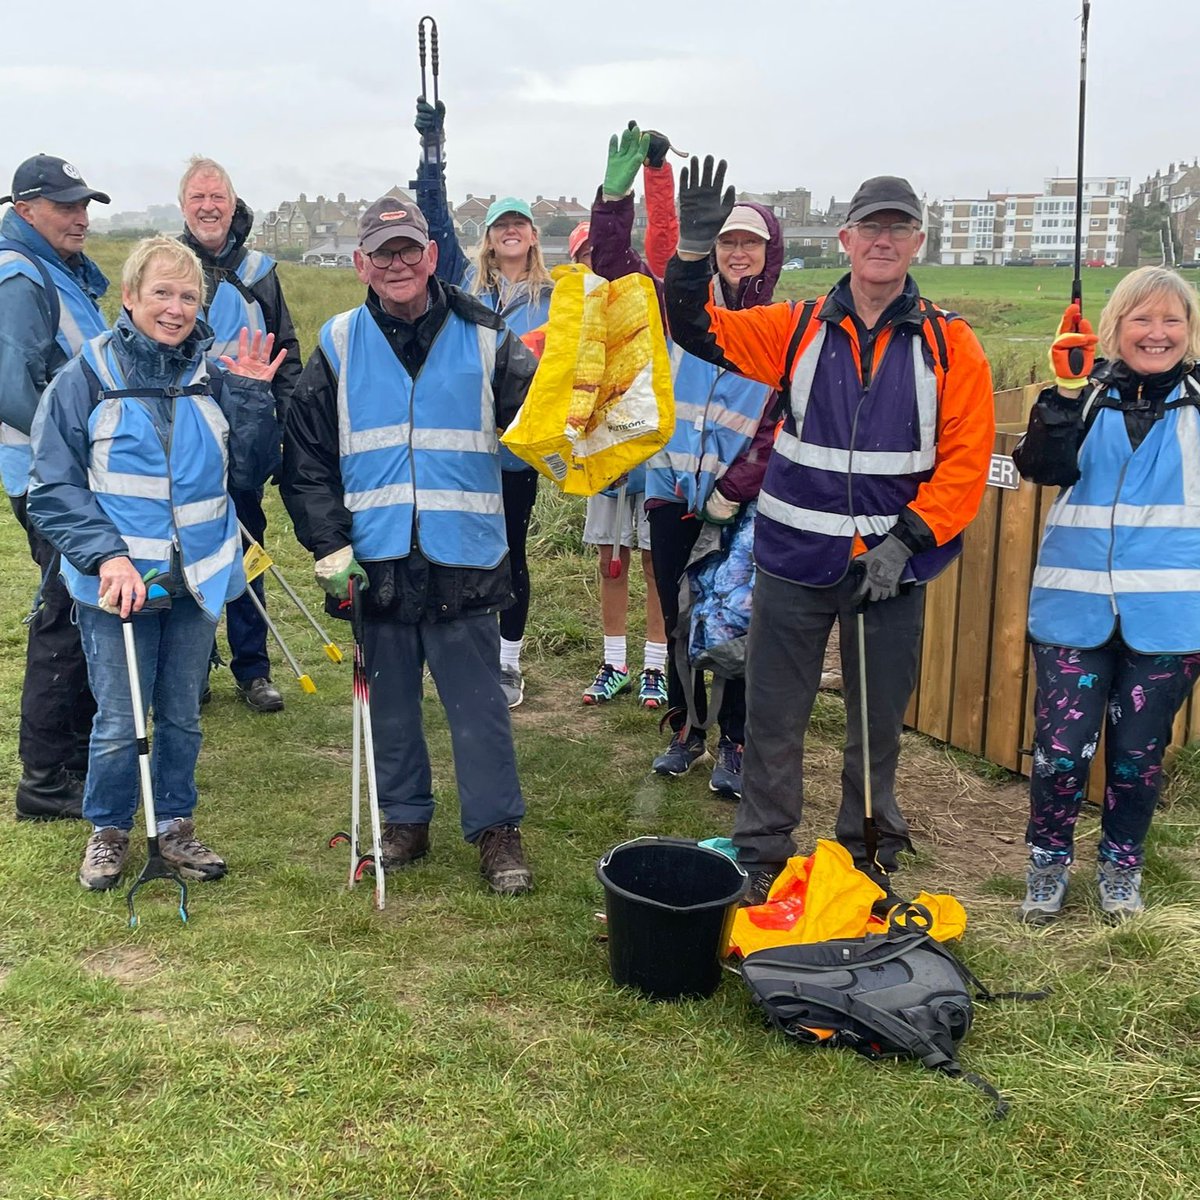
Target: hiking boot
(609, 683)
(49, 794)
(681, 754)
(727, 774)
(512, 684)
(652, 688)
(183, 850)
(1045, 891)
(261, 694)
(1120, 890)
(502, 861)
(104, 859)
(402, 844)
(759, 890)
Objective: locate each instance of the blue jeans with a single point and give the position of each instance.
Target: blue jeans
(172, 650)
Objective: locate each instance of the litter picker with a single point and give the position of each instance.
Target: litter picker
(433, 54)
(364, 746)
(306, 683)
(1077, 282)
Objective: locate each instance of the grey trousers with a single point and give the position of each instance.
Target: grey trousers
(464, 660)
(789, 627)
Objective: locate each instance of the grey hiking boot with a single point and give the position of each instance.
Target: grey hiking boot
(1045, 891)
(261, 694)
(403, 844)
(182, 849)
(502, 861)
(1120, 890)
(104, 859)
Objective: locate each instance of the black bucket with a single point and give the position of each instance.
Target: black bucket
(670, 905)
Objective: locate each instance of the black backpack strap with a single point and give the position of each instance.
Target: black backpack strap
(167, 393)
(783, 397)
(936, 322)
(47, 283)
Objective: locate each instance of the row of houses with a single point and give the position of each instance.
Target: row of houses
(1178, 190)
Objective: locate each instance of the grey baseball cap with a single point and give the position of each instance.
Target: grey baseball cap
(53, 178)
(882, 193)
(390, 218)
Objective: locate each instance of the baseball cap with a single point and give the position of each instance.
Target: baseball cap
(52, 178)
(883, 192)
(579, 235)
(390, 218)
(747, 219)
(506, 204)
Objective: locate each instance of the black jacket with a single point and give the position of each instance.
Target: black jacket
(412, 588)
(266, 291)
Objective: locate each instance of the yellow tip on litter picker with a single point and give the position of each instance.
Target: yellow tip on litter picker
(306, 684)
(334, 652)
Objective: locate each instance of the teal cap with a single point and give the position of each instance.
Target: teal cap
(507, 204)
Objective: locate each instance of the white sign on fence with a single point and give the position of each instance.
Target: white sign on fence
(1002, 472)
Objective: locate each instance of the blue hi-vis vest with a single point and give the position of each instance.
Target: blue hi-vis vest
(418, 454)
(1124, 541)
(717, 414)
(161, 498)
(78, 320)
(231, 310)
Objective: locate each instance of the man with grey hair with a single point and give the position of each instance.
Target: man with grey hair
(48, 308)
(241, 291)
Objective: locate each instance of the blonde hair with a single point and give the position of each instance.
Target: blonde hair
(1135, 290)
(178, 261)
(488, 274)
(198, 165)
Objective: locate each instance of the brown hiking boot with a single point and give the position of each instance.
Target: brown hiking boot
(104, 859)
(403, 844)
(502, 861)
(185, 852)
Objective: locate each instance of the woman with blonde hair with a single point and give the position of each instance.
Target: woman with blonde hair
(509, 275)
(1114, 615)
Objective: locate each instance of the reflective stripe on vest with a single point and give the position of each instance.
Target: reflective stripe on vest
(230, 311)
(161, 498)
(717, 414)
(1123, 543)
(420, 452)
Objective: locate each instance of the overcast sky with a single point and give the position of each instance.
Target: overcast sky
(317, 96)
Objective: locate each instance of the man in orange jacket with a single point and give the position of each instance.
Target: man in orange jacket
(879, 466)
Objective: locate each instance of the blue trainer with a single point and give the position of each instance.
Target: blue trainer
(681, 754)
(727, 774)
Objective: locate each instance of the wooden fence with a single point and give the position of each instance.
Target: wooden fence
(975, 686)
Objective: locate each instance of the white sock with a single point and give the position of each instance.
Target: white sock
(510, 653)
(615, 653)
(654, 656)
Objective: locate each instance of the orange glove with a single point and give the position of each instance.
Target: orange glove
(1073, 351)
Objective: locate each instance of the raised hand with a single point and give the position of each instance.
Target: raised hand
(254, 359)
(703, 206)
(625, 156)
(1073, 351)
(431, 120)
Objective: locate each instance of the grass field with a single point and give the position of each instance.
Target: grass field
(291, 1042)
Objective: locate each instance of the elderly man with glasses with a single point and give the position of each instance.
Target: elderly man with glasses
(879, 466)
(391, 472)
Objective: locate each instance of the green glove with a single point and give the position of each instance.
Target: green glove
(624, 159)
(334, 570)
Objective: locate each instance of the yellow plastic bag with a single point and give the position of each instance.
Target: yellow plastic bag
(822, 897)
(601, 402)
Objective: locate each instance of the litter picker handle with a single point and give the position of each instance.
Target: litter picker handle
(1077, 282)
(433, 54)
(870, 834)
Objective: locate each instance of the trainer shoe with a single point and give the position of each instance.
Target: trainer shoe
(761, 879)
(727, 774)
(652, 688)
(1120, 890)
(261, 694)
(1045, 891)
(49, 794)
(681, 754)
(512, 684)
(183, 850)
(104, 859)
(502, 861)
(609, 683)
(402, 844)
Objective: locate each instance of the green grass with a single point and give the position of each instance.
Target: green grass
(290, 1041)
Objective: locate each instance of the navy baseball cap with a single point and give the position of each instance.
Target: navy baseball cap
(53, 178)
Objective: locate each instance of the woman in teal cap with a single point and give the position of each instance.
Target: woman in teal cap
(509, 275)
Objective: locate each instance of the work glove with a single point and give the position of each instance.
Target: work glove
(703, 208)
(720, 510)
(656, 152)
(625, 157)
(882, 567)
(1073, 351)
(431, 120)
(334, 570)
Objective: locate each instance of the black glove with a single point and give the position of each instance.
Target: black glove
(882, 567)
(656, 155)
(702, 207)
(431, 121)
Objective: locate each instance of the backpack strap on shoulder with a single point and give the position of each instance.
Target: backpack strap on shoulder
(47, 283)
(783, 397)
(935, 320)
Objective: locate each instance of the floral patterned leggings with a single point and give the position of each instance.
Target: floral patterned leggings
(1139, 694)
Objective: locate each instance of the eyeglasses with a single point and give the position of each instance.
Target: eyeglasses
(901, 231)
(409, 255)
